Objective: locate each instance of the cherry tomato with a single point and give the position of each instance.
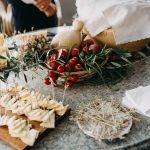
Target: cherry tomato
(68, 68)
(54, 65)
(74, 78)
(47, 81)
(75, 52)
(69, 84)
(63, 53)
(61, 69)
(73, 61)
(78, 67)
(53, 75)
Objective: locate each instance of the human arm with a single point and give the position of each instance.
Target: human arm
(46, 6)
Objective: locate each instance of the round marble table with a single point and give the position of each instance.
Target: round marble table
(67, 135)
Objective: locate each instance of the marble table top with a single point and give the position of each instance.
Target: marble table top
(67, 135)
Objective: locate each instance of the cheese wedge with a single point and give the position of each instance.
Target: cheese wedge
(30, 137)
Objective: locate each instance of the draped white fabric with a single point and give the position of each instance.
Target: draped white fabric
(138, 99)
(129, 19)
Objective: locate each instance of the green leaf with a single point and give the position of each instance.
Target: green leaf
(90, 57)
(147, 46)
(86, 67)
(94, 59)
(14, 48)
(110, 67)
(2, 79)
(125, 59)
(107, 51)
(116, 64)
(11, 48)
(142, 54)
(122, 52)
(99, 71)
(25, 78)
(2, 57)
(13, 60)
(6, 74)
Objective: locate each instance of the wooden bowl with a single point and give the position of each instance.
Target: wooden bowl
(108, 38)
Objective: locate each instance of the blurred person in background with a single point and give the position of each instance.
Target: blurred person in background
(37, 14)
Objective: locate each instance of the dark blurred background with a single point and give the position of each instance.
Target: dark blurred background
(66, 9)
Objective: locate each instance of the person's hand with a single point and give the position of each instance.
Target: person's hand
(41, 4)
(51, 10)
(45, 6)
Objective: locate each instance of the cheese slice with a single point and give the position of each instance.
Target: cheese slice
(20, 129)
(24, 94)
(3, 120)
(10, 103)
(30, 137)
(50, 123)
(43, 114)
(27, 109)
(62, 111)
(48, 116)
(4, 98)
(52, 104)
(11, 120)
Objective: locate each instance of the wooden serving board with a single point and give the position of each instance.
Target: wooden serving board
(16, 143)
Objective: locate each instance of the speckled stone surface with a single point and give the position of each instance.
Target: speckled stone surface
(67, 135)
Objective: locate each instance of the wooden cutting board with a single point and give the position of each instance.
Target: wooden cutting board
(16, 143)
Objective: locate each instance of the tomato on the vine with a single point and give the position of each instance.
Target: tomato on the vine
(75, 52)
(69, 84)
(68, 68)
(73, 61)
(53, 75)
(54, 65)
(61, 69)
(47, 81)
(63, 53)
(78, 67)
(74, 78)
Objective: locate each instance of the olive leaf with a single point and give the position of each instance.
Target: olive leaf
(147, 46)
(6, 74)
(142, 54)
(125, 59)
(25, 77)
(2, 57)
(116, 64)
(2, 79)
(121, 52)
